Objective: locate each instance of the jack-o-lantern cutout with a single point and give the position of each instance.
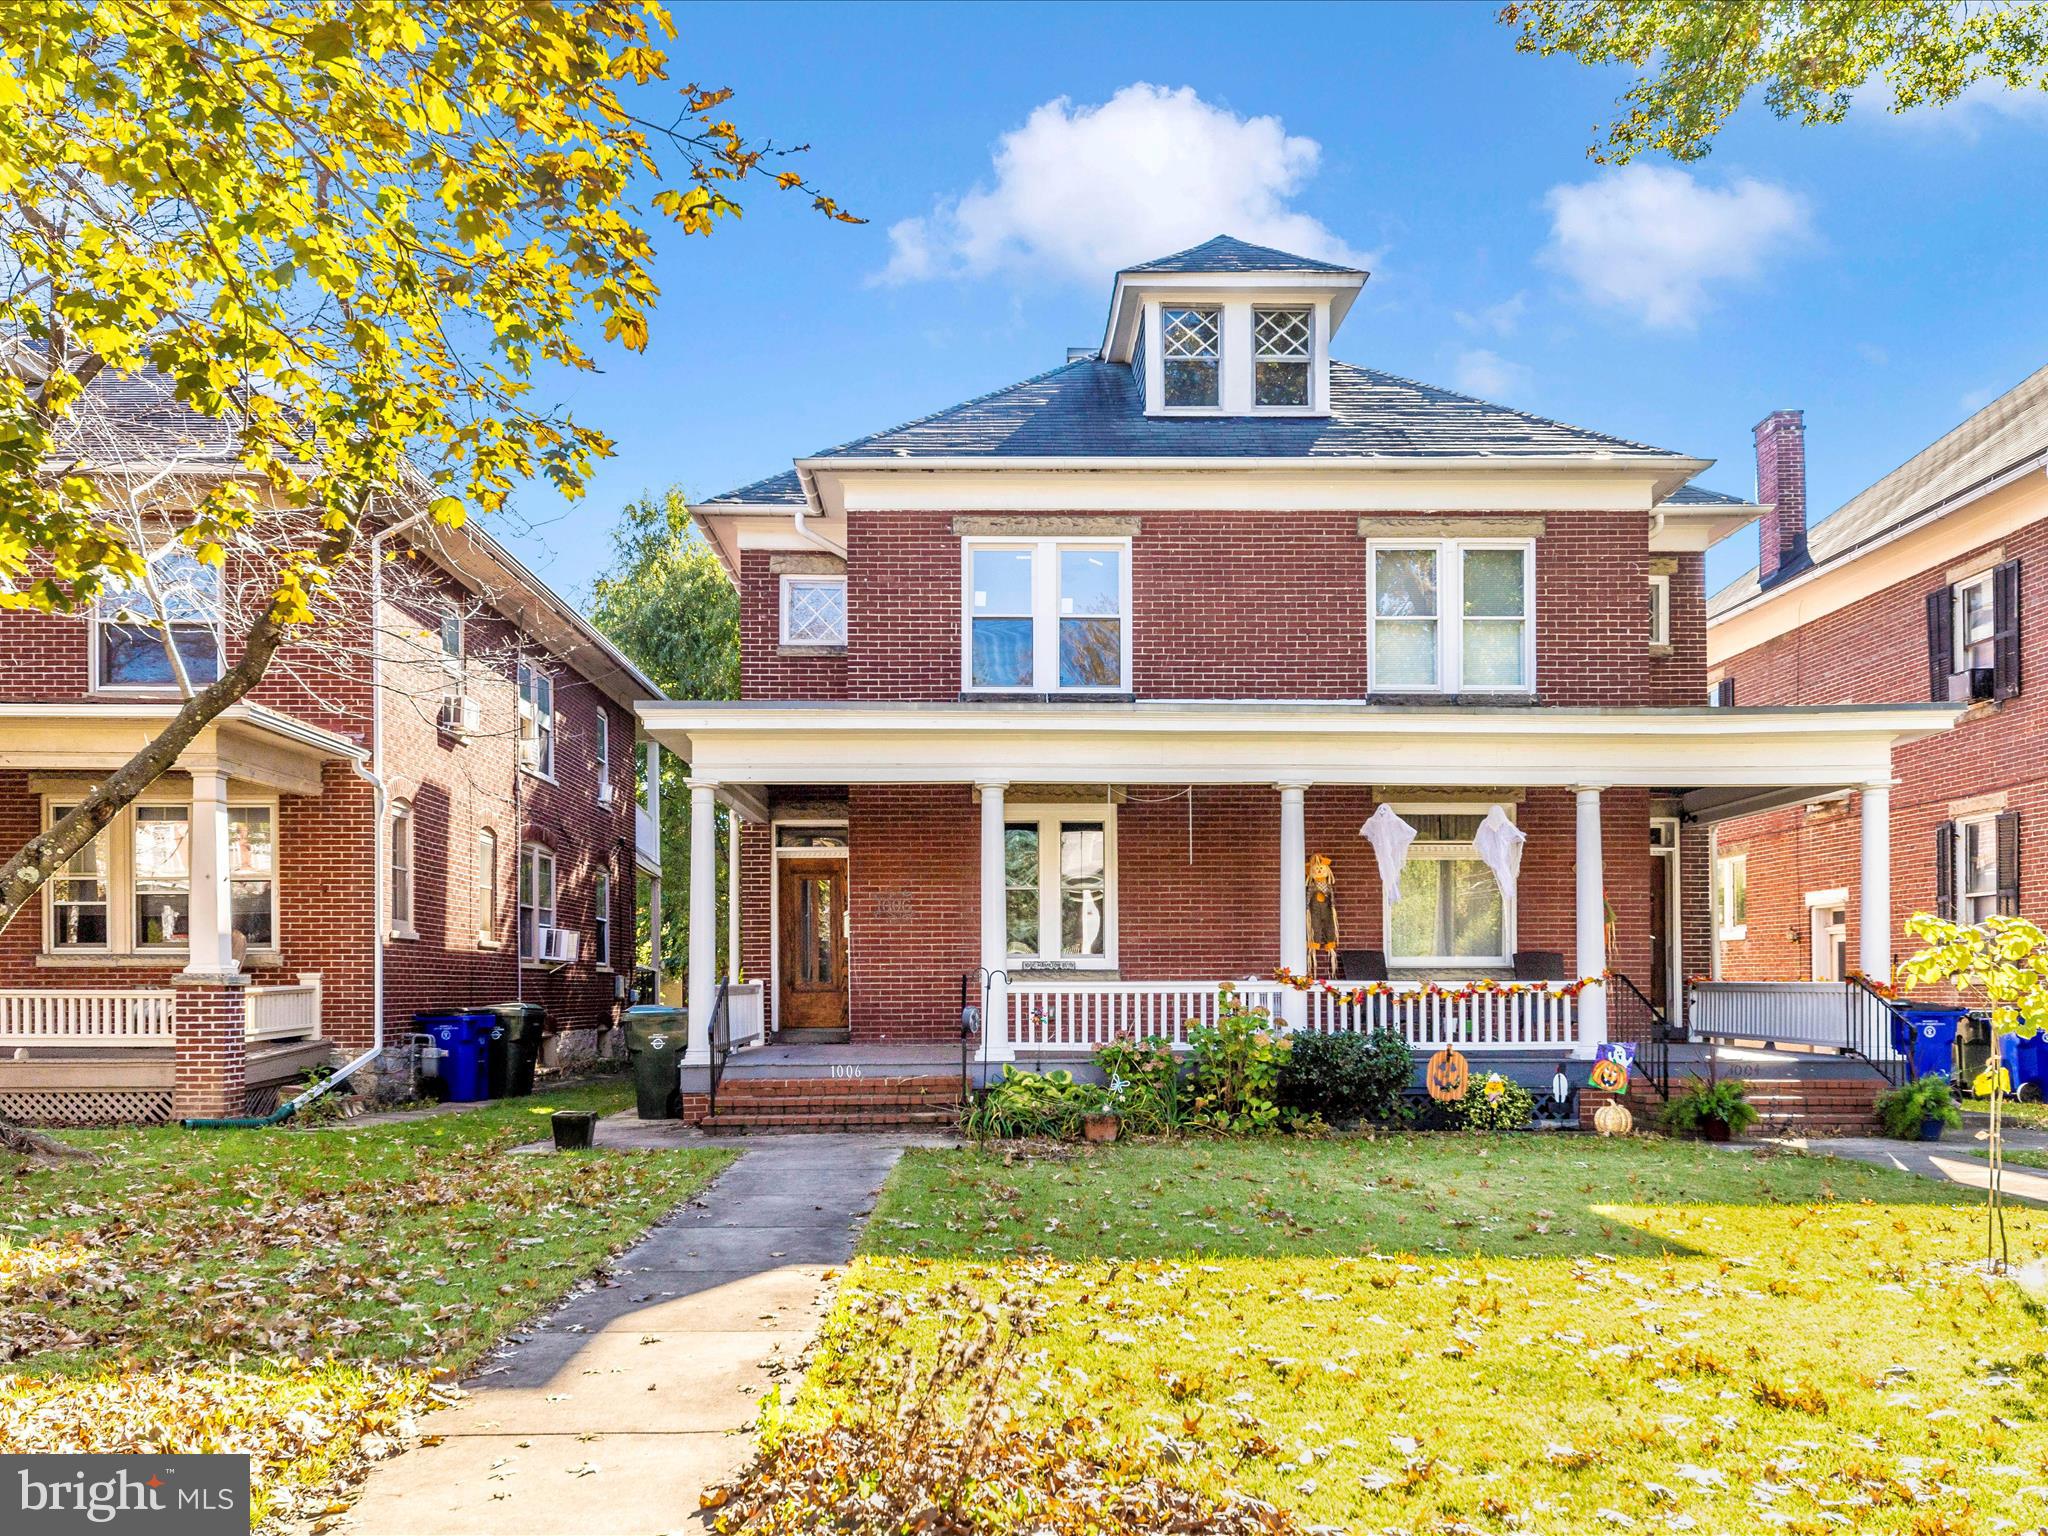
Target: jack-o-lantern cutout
(1609, 1077)
(1613, 1119)
(1447, 1075)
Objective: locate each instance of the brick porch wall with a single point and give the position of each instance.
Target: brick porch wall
(211, 1051)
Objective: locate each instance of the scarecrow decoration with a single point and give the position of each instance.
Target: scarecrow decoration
(1322, 914)
(1447, 1075)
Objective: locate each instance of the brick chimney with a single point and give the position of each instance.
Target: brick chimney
(1781, 491)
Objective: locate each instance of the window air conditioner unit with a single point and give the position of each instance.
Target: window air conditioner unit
(560, 946)
(461, 715)
(1970, 684)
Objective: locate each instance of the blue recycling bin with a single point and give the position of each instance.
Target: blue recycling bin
(1930, 1042)
(2026, 1061)
(462, 1040)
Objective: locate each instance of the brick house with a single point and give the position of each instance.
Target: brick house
(1047, 697)
(1914, 589)
(433, 806)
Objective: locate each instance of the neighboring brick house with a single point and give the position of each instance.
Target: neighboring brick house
(1917, 588)
(240, 921)
(1047, 697)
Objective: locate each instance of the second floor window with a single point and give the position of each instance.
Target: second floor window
(601, 927)
(1047, 616)
(1282, 343)
(1191, 357)
(536, 898)
(1660, 610)
(132, 624)
(1452, 616)
(536, 720)
(604, 756)
(814, 610)
(486, 886)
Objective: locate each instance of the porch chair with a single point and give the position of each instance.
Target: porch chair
(1361, 965)
(1539, 965)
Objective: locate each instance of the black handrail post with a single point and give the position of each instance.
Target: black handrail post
(718, 1039)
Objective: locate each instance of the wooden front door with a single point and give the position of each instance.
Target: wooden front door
(812, 906)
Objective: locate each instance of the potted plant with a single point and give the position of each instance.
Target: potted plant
(1103, 1123)
(1716, 1111)
(1919, 1111)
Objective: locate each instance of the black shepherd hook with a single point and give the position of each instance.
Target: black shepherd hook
(974, 1019)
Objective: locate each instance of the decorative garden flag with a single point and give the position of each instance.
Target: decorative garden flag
(1499, 845)
(1390, 837)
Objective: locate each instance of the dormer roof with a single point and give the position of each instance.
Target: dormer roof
(1225, 264)
(1226, 253)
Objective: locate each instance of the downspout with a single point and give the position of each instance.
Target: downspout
(374, 777)
(809, 509)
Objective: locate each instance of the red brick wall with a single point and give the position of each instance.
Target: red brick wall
(209, 1073)
(914, 897)
(1874, 652)
(1237, 605)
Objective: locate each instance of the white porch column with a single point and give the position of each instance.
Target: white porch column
(1874, 918)
(651, 799)
(703, 919)
(654, 931)
(1293, 897)
(733, 823)
(211, 913)
(995, 944)
(1592, 921)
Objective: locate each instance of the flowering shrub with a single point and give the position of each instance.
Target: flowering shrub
(1237, 1063)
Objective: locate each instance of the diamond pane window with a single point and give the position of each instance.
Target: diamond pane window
(1190, 356)
(1281, 341)
(814, 610)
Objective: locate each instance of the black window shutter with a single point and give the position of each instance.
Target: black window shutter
(2005, 630)
(1724, 694)
(1941, 630)
(2009, 863)
(1945, 871)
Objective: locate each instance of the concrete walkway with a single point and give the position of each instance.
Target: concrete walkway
(607, 1417)
(1952, 1159)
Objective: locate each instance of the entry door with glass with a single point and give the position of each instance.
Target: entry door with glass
(812, 907)
(1830, 943)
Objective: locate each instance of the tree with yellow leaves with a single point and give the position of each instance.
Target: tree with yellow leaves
(342, 235)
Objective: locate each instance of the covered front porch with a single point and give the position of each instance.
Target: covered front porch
(941, 802)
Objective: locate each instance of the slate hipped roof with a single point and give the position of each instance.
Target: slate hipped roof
(2003, 436)
(1224, 254)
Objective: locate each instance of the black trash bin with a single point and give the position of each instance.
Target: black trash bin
(655, 1041)
(520, 1024)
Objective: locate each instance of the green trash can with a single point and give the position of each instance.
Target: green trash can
(518, 1041)
(655, 1042)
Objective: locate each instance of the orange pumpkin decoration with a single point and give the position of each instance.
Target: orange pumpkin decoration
(1613, 1119)
(1608, 1076)
(1447, 1076)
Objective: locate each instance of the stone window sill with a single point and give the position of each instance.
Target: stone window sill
(809, 652)
(1662, 650)
(176, 960)
(404, 931)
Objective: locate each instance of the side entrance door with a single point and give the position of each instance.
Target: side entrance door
(812, 908)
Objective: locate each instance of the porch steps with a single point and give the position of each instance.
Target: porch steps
(835, 1104)
(1788, 1106)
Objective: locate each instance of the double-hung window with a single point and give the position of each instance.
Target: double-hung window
(486, 887)
(129, 891)
(163, 877)
(1731, 896)
(814, 610)
(1452, 616)
(79, 904)
(181, 603)
(1283, 342)
(1047, 616)
(401, 868)
(536, 898)
(1059, 878)
(536, 720)
(252, 873)
(1976, 869)
(1660, 610)
(602, 751)
(601, 926)
(1452, 911)
(1975, 622)
(1191, 356)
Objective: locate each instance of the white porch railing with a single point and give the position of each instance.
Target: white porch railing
(51, 1016)
(286, 1012)
(1827, 1015)
(745, 1013)
(1078, 1016)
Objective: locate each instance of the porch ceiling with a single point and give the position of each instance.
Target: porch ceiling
(1725, 756)
(248, 742)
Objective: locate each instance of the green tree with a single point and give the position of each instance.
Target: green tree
(667, 603)
(1695, 63)
(349, 231)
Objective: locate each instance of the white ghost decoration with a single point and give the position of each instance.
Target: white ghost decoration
(1498, 843)
(1390, 837)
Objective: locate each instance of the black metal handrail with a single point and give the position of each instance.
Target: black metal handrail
(1867, 1030)
(719, 1038)
(1653, 1057)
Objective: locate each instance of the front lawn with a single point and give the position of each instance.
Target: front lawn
(1530, 1333)
(295, 1293)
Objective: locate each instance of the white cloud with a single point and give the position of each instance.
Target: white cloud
(1489, 375)
(1654, 241)
(1980, 105)
(1502, 319)
(1081, 191)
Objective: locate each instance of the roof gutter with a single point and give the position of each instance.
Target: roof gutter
(812, 507)
(805, 468)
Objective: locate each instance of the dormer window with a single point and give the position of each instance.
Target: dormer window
(1283, 344)
(1193, 357)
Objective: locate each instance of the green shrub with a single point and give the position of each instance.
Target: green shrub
(1033, 1104)
(1143, 1085)
(1726, 1100)
(1348, 1076)
(1492, 1105)
(1236, 1068)
(1904, 1112)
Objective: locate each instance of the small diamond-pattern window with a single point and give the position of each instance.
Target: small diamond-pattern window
(1189, 356)
(817, 612)
(1280, 351)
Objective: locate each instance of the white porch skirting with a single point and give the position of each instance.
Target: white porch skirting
(1076, 1017)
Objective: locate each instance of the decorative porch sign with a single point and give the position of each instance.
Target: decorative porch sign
(1390, 837)
(1447, 1075)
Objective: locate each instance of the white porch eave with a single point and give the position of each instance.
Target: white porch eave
(250, 742)
(1796, 752)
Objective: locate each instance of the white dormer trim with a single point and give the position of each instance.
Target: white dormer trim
(1235, 391)
(1135, 292)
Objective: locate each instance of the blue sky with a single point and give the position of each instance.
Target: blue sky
(1887, 276)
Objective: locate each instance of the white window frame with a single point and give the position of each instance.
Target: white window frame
(1730, 871)
(109, 601)
(1450, 619)
(1315, 342)
(537, 855)
(601, 748)
(447, 615)
(601, 919)
(399, 861)
(1963, 641)
(120, 882)
(788, 584)
(1047, 819)
(485, 882)
(1448, 852)
(1986, 829)
(537, 725)
(1045, 613)
(1213, 307)
(1660, 609)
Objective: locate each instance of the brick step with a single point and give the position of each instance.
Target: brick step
(766, 1089)
(894, 1104)
(910, 1120)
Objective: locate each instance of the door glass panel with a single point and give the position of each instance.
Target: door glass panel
(1084, 892)
(818, 900)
